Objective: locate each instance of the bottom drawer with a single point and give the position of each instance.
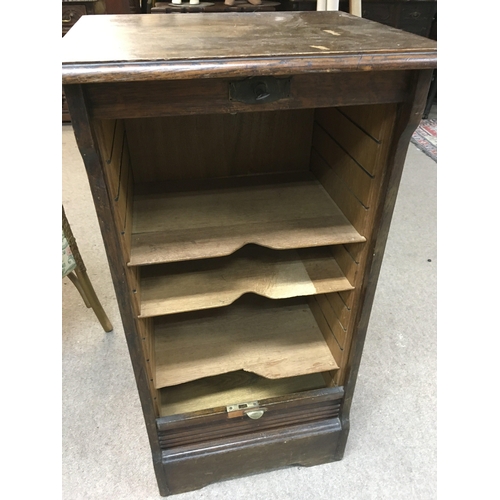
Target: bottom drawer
(193, 467)
(248, 404)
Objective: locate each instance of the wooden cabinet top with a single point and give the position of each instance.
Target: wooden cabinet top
(152, 47)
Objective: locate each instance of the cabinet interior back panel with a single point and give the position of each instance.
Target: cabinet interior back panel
(219, 145)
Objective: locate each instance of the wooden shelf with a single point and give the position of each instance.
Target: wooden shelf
(205, 284)
(214, 218)
(273, 339)
(231, 388)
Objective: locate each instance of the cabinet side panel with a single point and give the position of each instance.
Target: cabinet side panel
(355, 212)
(337, 336)
(339, 307)
(346, 263)
(113, 144)
(329, 334)
(145, 328)
(371, 119)
(350, 131)
(332, 319)
(349, 152)
(405, 119)
(93, 157)
(207, 146)
(356, 179)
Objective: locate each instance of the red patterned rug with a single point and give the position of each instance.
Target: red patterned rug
(425, 137)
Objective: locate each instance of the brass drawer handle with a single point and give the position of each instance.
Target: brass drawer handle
(251, 409)
(255, 414)
(72, 15)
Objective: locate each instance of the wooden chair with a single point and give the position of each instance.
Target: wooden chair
(74, 268)
(354, 6)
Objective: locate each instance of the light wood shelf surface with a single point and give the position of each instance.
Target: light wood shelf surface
(274, 339)
(231, 388)
(205, 284)
(214, 218)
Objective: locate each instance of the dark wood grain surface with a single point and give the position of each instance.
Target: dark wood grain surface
(304, 445)
(140, 47)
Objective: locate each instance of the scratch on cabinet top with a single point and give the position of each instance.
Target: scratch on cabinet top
(332, 32)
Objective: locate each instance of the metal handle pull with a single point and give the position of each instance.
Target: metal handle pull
(70, 20)
(241, 409)
(255, 414)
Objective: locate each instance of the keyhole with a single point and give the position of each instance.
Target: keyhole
(260, 91)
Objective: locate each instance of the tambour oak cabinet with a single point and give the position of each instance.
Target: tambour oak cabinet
(244, 170)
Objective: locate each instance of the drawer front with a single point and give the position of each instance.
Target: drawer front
(70, 15)
(249, 417)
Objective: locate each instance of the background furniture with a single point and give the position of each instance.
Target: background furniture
(72, 10)
(414, 16)
(239, 6)
(123, 7)
(74, 268)
(245, 193)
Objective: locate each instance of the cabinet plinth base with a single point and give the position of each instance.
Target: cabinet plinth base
(302, 445)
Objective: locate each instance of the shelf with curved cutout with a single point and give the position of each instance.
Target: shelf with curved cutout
(272, 339)
(208, 283)
(215, 217)
(228, 388)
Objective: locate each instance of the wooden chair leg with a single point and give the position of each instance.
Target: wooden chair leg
(81, 280)
(93, 301)
(74, 279)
